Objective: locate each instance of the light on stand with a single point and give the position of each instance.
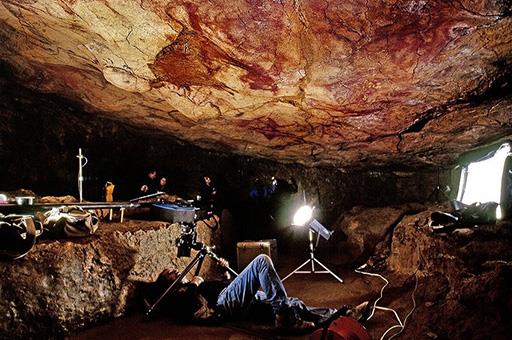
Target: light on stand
(304, 217)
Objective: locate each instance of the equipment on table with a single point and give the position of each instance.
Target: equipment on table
(246, 251)
(109, 191)
(109, 197)
(24, 200)
(140, 198)
(174, 213)
(70, 221)
(30, 209)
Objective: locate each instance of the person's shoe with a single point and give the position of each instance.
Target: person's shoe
(297, 325)
(361, 312)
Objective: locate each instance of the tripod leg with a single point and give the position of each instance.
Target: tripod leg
(199, 265)
(217, 258)
(330, 271)
(171, 288)
(296, 269)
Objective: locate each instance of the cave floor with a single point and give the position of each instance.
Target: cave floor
(315, 290)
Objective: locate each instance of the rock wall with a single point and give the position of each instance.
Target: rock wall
(361, 230)
(65, 285)
(40, 137)
(463, 277)
(311, 82)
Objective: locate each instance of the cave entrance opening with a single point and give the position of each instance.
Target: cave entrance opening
(488, 179)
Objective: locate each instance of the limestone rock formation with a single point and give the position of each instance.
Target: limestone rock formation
(316, 82)
(463, 279)
(366, 227)
(463, 276)
(64, 285)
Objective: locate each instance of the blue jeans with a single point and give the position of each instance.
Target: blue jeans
(236, 298)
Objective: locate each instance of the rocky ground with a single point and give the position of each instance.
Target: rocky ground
(459, 280)
(463, 277)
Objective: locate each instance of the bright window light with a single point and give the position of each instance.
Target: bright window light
(484, 180)
(303, 215)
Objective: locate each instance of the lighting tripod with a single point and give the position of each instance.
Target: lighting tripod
(312, 259)
(204, 251)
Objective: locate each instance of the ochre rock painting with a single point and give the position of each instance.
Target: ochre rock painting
(314, 82)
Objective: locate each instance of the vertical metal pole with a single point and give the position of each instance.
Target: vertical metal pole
(311, 250)
(80, 176)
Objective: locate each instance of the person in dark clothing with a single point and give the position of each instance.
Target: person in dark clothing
(162, 185)
(258, 287)
(208, 191)
(209, 195)
(151, 183)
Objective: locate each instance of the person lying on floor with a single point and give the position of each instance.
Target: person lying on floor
(257, 291)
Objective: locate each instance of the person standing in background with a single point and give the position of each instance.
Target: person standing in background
(162, 185)
(151, 183)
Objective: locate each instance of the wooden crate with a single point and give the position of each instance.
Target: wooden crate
(246, 251)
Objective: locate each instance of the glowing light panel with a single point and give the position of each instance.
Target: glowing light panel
(484, 180)
(303, 215)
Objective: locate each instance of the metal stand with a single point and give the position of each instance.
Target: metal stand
(438, 191)
(156, 194)
(198, 259)
(312, 260)
(80, 174)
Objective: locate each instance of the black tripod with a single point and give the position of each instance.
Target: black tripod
(438, 191)
(203, 251)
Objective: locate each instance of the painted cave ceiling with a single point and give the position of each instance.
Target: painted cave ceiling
(315, 82)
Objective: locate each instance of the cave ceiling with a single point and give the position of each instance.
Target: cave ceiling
(315, 82)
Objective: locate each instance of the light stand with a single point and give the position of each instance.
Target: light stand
(302, 217)
(80, 174)
(312, 259)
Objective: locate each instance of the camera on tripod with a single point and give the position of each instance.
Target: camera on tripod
(185, 243)
(188, 234)
(187, 239)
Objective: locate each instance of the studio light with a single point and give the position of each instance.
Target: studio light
(303, 215)
(304, 218)
(482, 180)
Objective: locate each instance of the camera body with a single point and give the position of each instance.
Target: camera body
(187, 240)
(188, 234)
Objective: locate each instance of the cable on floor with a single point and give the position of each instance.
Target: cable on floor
(400, 324)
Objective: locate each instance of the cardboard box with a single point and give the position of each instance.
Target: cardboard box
(246, 251)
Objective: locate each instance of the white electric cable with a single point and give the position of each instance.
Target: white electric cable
(401, 324)
(381, 290)
(412, 310)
